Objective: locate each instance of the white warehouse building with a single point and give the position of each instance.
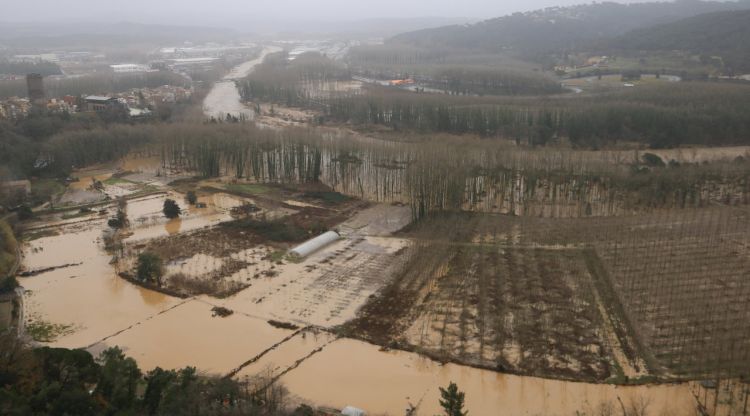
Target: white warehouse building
(129, 68)
(311, 246)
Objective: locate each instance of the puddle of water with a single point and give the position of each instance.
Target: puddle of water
(141, 164)
(188, 335)
(225, 202)
(85, 179)
(147, 220)
(360, 375)
(173, 226)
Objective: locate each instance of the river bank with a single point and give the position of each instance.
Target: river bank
(224, 98)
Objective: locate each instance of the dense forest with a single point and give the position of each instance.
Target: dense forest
(723, 36)
(292, 83)
(453, 70)
(658, 116)
(538, 34)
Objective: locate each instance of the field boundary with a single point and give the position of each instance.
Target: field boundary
(632, 346)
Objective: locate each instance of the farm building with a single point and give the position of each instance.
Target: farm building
(311, 246)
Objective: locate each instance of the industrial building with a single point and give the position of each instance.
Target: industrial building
(35, 86)
(129, 68)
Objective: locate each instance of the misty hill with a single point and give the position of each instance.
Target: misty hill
(553, 30)
(342, 29)
(721, 34)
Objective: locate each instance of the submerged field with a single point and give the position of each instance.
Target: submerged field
(466, 297)
(658, 295)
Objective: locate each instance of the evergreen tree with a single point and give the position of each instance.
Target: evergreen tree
(452, 400)
(171, 209)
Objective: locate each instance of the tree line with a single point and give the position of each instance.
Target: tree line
(455, 71)
(659, 116)
(451, 174)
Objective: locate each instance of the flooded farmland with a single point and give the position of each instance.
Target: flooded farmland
(283, 317)
(390, 382)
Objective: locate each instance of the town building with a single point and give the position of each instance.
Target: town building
(129, 68)
(96, 103)
(35, 86)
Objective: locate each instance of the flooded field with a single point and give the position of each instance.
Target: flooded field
(390, 382)
(86, 298)
(283, 318)
(179, 337)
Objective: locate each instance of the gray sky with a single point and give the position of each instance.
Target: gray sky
(215, 11)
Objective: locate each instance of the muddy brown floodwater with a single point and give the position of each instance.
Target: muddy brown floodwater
(349, 372)
(98, 310)
(88, 297)
(188, 335)
(224, 98)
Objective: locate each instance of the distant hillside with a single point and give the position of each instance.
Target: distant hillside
(554, 30)
(721, 34)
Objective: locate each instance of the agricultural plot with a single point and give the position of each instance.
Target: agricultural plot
(662, 294)
(519, 309)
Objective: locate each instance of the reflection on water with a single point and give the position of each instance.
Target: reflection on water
(173, 226)
(387, 382)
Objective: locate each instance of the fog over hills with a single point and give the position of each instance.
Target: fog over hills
(548, 30)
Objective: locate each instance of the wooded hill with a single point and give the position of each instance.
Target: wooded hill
(724, 35)
(537, 34)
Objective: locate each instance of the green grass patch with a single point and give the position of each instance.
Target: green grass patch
(278, 231)
(247, 188)
(41, 331)
(118, 181)
(277, 255)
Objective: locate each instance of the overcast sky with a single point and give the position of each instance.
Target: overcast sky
(215, 11)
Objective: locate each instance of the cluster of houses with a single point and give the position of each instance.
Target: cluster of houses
(14, 108)
(601, 62)
(138, 103)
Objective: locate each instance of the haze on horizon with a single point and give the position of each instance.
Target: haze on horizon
(230, 12)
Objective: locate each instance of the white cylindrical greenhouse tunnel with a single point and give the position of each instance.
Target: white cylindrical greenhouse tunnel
(311, 246)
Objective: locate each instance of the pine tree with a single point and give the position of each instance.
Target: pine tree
(452, 401)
